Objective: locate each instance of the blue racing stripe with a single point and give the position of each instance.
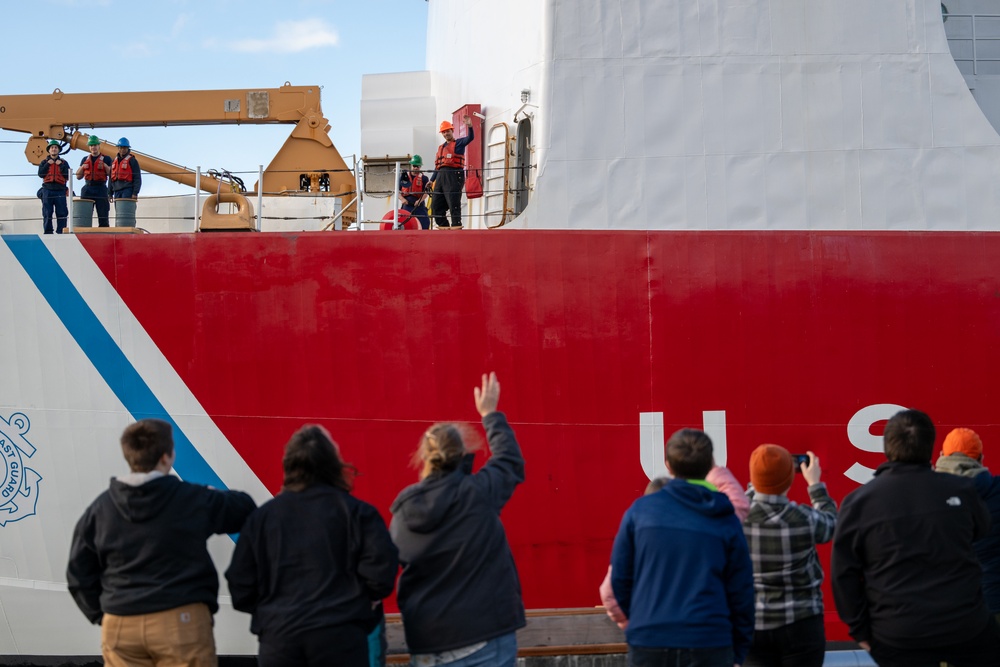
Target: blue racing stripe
(106, 356)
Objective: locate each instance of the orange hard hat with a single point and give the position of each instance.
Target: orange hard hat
(445, 125)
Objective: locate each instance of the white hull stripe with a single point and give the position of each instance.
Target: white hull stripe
(100, 348)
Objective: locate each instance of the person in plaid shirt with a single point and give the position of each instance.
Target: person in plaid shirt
(782, 536)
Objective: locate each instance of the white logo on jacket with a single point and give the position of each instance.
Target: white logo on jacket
(954, 501)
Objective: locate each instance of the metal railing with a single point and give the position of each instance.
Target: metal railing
(974, 41)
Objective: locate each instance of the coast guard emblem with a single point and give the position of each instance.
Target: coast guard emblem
(19, 484)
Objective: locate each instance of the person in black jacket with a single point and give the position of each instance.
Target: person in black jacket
(313, 564)
(139, 564)
(54, 172)
(459, 592)
(905, 576)
(962, 454)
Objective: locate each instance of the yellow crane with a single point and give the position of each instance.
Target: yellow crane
(307, 162)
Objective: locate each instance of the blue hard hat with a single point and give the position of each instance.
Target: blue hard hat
(124, 142)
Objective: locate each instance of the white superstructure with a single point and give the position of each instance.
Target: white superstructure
(713, 114)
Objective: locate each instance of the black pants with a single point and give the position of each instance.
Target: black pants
(420, 213)
(339, 646)
(799, 644)
(447, 196)
(980, 651)
(680, 657)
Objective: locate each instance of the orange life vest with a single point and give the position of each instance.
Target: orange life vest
(416, 187)
(95, 169)
(54, 175)
(447, 157)
(121, 170)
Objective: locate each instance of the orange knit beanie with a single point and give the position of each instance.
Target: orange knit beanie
(771, 469)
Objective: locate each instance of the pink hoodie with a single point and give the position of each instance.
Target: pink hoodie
(726, 483)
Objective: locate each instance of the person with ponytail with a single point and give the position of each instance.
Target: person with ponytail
(459, 592)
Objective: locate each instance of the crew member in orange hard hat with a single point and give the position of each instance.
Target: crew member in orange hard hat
(413, 186)
(54, 172)
(449, 178)
(95, 170)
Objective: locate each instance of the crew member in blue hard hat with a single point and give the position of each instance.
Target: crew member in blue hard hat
(54, 172)
(126, 178)
(413, 190)
(95, 170)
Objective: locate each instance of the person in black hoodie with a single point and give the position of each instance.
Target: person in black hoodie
(459, 593)
(313, 564)
(962, 454)
(905, 576)
(139, 565)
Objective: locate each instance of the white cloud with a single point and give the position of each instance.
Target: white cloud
(179, 24)
(291, 37)
(138, 49)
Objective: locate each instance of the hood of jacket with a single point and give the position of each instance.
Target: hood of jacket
(145, 501)
(773, 507)
(960, 464)
(698, 498)
(423, 506)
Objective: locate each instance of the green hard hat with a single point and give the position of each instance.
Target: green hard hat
(53, 142)
(416, 161)
(94, 140)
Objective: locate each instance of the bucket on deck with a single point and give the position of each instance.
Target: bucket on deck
(83, 212)
(124, 213)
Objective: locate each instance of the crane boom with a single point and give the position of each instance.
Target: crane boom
(47, 116)
(307, 161)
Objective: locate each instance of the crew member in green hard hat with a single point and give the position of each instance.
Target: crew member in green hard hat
(54, 172)
(95, 170)
(413, 190)
(126, 178)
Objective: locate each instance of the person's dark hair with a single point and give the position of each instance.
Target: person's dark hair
(655, 485)
(909, 437)
(312, 457)
(689, 454)
(145, 442)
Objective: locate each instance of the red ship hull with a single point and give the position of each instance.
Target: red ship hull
(378, 336)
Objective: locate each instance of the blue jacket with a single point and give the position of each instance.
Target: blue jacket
(988, 548)
(681, 571)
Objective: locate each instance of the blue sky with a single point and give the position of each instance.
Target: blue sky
(137, 45)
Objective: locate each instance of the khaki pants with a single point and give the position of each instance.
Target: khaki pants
(179, 637)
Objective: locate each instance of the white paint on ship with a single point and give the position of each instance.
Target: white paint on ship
(52, 381)
(696, 114)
